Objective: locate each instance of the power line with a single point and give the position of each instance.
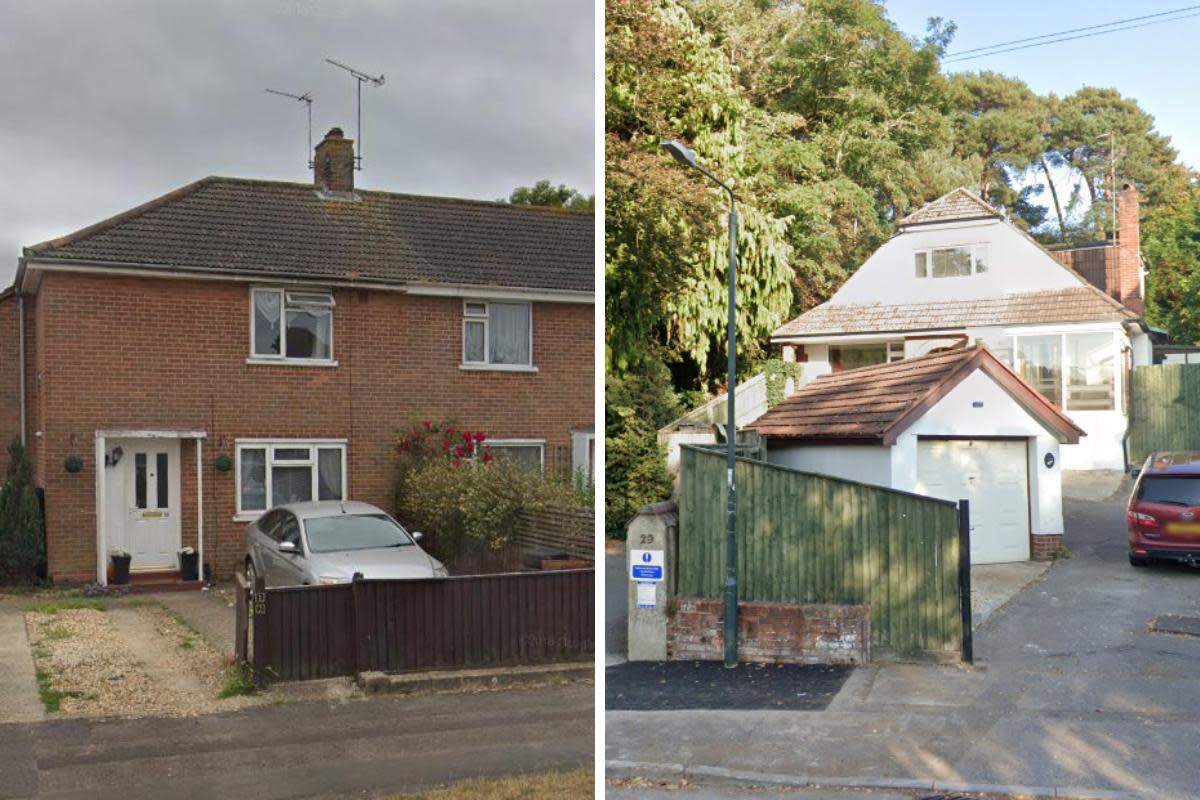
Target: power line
(991, 50)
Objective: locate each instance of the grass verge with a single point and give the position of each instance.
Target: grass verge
(67, 604)
(576, 785)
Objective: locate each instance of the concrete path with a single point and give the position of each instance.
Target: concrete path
(360, 748)
(19, 700)
(993, 585)
(1072, 693)
(209, 612)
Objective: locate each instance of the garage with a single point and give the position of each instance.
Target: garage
(956, 425)
(993, 474)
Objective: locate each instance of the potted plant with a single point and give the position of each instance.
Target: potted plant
(120, 561)
(189, 564)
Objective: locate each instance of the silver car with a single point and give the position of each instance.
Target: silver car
(303, 544)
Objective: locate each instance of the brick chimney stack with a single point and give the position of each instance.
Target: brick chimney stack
(333, 163)
(1129, 261)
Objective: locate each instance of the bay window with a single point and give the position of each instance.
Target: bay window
(1075, 367)
(497, 335)
(291, 325)
(274, 472)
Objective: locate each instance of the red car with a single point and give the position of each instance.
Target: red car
(1164, 510)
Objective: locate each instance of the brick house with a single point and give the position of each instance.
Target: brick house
(287, 331)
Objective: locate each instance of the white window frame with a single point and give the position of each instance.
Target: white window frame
(928, 251)
(582, 443)
(468, 317)
(284, 295)
(538, 443)
(1118, 377)
(270, 445)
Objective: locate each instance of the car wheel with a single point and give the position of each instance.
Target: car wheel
(1137, 561)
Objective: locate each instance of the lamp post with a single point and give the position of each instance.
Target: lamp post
(687, 157)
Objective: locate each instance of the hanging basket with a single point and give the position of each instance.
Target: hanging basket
(223, 463)
(73, 463)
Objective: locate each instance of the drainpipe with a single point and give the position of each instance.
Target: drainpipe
(21, 337)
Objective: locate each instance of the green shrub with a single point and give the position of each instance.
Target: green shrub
(22, 548)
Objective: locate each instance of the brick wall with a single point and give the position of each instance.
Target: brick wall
(771, 633)
(1045, 547)
(133, 353)
(10, 378)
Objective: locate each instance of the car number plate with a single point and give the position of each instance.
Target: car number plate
(1183, 527)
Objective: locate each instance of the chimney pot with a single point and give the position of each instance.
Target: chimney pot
(333, 163)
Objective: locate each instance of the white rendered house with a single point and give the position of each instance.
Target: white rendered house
(957, 273)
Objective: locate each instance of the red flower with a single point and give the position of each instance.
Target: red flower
(487, 457)
(470, 447)
(480, 436)
(455, 462)
(446, 444)
(459, 451)
(426, 424)
(466, 436)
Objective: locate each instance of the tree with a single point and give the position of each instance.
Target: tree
(22, 548)
(544, 193)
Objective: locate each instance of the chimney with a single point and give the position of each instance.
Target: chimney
(333, 163)
(1129, 241)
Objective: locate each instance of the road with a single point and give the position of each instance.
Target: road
(1072, 691)
(357, 748)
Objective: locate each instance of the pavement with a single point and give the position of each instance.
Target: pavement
(19, 700)
(1072, 695)
(356, 748)
(209, 612)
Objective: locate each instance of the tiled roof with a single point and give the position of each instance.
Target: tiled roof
(231, 225)
(877, 403)
(958, 204)
(1082, 304)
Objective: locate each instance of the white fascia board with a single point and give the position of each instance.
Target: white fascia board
(1063, 327)
(151, 434)
(865, 338)
(500, 293)
(167, 271)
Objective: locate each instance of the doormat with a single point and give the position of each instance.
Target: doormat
(677, 685)
(1171, 623)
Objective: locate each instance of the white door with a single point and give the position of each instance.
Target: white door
(143, 502)
(993, 475)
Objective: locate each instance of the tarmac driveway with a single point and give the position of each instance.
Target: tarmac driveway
(1072, 691)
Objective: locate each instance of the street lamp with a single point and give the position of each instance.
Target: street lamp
(687, 157)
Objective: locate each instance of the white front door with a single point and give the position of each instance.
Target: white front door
(143, 501)
(994, 476)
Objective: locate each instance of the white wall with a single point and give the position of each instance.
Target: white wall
(1015, 264)
(864, 463)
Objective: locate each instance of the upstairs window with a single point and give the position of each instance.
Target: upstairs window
(951, 262)
(291, 325)
(497, 335)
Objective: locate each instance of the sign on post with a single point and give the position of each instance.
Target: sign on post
(646, 565)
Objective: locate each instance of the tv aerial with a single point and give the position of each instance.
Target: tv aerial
(361, 78)
(305, 98)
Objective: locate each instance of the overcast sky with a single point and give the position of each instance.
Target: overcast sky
(106, 105)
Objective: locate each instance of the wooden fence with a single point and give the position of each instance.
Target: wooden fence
(1164, 409)
(806, 538)
(309, 632)
(570, 531)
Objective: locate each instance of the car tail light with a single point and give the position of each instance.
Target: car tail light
(1138, 518)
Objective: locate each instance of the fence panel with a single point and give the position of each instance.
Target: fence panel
(309, 632)
(1164, 409)
(805, 538)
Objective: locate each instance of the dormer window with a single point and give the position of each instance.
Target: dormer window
(951, 262)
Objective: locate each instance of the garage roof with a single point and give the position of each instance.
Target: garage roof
(878, 403)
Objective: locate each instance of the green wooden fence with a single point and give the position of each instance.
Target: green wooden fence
(1164, 409)
(805, 538)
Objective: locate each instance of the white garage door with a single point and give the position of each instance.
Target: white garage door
(993, 475)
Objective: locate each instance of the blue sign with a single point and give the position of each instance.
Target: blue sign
(647, 573)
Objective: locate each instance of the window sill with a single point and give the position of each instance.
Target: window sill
(292, 362)
(498, 367)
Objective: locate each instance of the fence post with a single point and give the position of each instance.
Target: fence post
(357, 628)
(964, 579)
(258, 606)
(241, 627)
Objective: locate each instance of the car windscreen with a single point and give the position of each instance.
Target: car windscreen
(354, 532)
(1174, 490)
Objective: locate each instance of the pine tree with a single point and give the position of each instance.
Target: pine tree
(21, 544)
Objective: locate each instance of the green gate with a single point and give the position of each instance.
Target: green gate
(1164, 409)
(806, 538)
